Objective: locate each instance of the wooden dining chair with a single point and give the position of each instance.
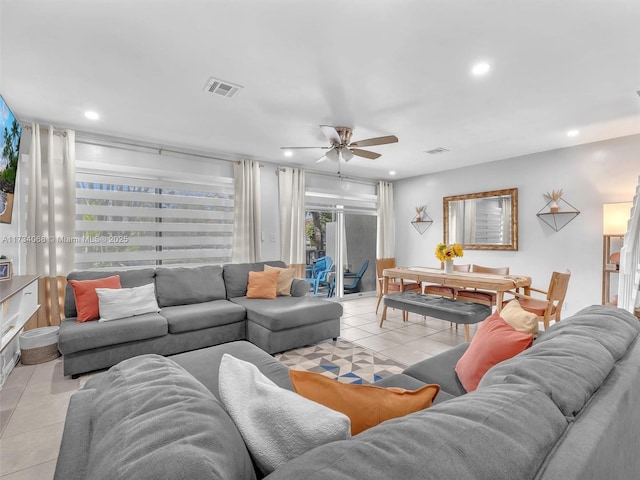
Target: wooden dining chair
(395, 284)
(483, 297)
(549, 307)
(447, 292)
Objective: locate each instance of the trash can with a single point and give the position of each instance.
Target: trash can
(39, 345)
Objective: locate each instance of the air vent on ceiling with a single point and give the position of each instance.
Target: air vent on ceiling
(222, 87)
(436, 151)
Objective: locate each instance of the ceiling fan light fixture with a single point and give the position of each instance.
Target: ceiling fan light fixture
(346, 154)
(333, 155)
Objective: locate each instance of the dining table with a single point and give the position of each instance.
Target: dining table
(481, 281)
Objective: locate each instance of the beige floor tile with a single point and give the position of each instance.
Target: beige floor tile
(376, 343)
(418, 330)
(43, 471)
(405, 355)
(397, 336)
(354, 333)
(37, 415)
(355, 321)
(19, 376)
(424, 344)
(25, 450)
(48, 372)
(449, 338)
(9, 397)
(375, 328)
(36, 392)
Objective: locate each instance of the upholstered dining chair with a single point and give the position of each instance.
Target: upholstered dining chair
(481, 296)
(549, 307)
(395, 284)
(446, 292)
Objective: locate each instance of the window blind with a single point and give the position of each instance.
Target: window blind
(134, 216)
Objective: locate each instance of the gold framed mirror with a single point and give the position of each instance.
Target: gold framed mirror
(482, 221)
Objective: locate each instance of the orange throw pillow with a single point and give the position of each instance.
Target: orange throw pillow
(365, 405)
(262, 284)
(494, 342)
(285, 279)
(86, 297)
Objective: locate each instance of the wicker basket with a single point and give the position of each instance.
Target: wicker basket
(39, 345)
(32, 356)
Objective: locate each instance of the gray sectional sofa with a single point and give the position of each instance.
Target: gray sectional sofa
(199, 307)
(566, 408)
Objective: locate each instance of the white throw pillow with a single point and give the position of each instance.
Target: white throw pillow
(126, 302)
(519, 318)
(276, 424)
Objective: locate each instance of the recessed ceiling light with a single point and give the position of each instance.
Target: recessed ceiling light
(91, 115)
(480, 69)
(573, 133)
(392, 172)
(288, 153)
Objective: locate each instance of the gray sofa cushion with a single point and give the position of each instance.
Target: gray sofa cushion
(283, 313)
(74, 451)
(204, 364)
(151, 419)
(187, 285)
(567, 368)
(440, 369)
(621, 328)
(236, 275)
(184, 318)
(77, 337)
(128, 279)
(478, 436)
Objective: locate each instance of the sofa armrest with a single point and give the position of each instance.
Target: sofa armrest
(299, 287)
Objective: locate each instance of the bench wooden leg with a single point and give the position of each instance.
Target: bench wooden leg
(384, 315)
(467, 337)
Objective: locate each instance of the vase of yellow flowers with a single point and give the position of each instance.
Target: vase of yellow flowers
(446, 254)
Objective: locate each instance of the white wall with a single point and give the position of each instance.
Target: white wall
(590, 175)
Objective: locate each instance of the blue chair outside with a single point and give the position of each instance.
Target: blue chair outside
(352, 287)
(319, 273)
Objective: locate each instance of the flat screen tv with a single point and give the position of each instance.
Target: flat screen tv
(11, 131)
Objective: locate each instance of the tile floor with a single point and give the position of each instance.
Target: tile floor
(34, 399)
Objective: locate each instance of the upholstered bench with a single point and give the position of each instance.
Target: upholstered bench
(448, 309)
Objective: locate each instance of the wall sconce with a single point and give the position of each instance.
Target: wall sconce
(421, 222)
(615, 217)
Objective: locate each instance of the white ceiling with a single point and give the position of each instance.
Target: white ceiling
(379, 66)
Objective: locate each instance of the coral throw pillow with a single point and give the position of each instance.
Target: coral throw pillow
(494, 342)
(262, 284)
(519, 318)
(86, 297)
(365, 405)
(285, 279)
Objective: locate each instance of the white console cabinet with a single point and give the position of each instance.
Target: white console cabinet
(18, 302)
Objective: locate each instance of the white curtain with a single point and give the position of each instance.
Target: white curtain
(51, 216)
(385, 246)
(246, 212)
(291, 189)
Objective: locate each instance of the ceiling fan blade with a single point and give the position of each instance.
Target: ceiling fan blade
(331, 133)
(365, 153)
(322, 159)
(300, 148)
(369, 142)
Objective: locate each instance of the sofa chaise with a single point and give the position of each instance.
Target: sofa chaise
(566, 408)
(199, 307)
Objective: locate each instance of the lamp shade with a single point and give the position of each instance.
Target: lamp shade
(615, 217)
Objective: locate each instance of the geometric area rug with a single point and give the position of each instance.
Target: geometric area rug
(343, 361)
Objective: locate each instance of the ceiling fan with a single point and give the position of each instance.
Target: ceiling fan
(342, 146)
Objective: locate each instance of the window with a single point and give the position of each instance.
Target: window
(133, 216)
